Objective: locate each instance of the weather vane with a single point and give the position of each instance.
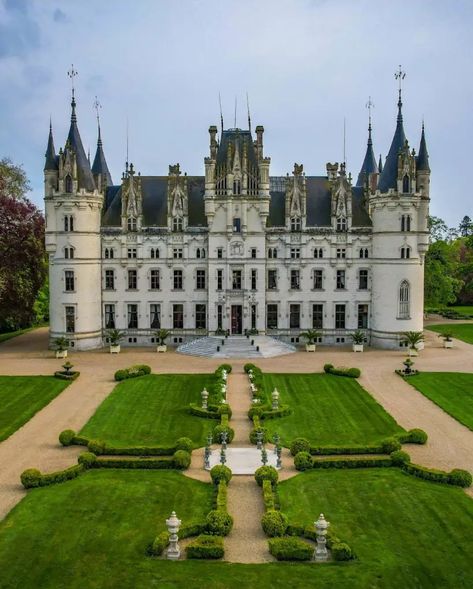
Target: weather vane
(97, 106)
(369, 105)
(400, 75)
(72, 73)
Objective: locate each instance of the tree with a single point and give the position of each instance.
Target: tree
(466, 226)
(441, 282)
(22, 252)
(438, 228)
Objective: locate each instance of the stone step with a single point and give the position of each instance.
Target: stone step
(236, 347)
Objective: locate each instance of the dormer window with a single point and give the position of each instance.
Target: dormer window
(341, 224)
(131, 223)
(68, 184)
(296, 224)
(406, 184)
(177, 224)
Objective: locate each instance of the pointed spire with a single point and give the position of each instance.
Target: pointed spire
(380, 164)
(50, 155)
(369, 163)
(423, 157)
(99, 167)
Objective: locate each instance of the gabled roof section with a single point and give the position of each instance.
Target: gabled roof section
(388, 178)
(86, 180)
(51, 162)
(422, 160)
(236, 138)
(100, 164)
(369, 163)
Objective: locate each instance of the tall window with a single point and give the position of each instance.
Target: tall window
(295, 279)
(272, 280)
(219, 279)
(318, 279)
(178, 316)
(69, 280)
(362, 316)
(363, 279)
(177, 224)
(236, 279)
(68, 252)
(200, 253)
(253, 279)
(177, 280)
(339, 316)
(404, 300)
(110, 316)
(219, 253)
(201, 316)
(341, 279)
(177, 253)
(236, 225)
(405, 251)
(132, 316)
(132, 279)
(405, 183)
(272, 316)
(70, 315)
(363, 252)
(155, 316)
(341, 224)
(109, 253)
(131, 224)
(109, 279)
(219, 316)
(154, 279)
(272, 252)
(253, 252)
(68, 184)
(131, 252)
(295, 253)
(68, 223)
(405, 223)
(317, 316)
(341, 253)
(294, 316)
(200, 280)
(318, 252)
(154, 252)
(296, 224)
(237, 187)
(253, 316)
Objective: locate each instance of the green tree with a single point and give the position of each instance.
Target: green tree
(441, 282)
(466, 226)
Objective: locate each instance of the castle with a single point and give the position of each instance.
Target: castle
(236, 249)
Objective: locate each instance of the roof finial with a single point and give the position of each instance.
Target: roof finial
(400, 75)
(221, 113)
(234, 122)
(72, 73)
(97, 106)
(369, 106)
(248, 108)
(344, 141)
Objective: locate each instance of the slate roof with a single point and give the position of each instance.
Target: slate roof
(236, 137)
(422, 160)
(86, 179)
(100, 164)
(51, 162)
(388, 177)
(369, 165)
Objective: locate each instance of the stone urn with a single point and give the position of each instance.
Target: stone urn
(115, 348)
(310, 347)
(448, 344)
(61, 353)
(162, 349)
(357, 347)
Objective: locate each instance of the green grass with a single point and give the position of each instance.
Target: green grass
(397, 525)
(23, 396)
(10, 334)
(452, 391)
(328, 410)
(467, 309)
(151, 411)
(462, 331)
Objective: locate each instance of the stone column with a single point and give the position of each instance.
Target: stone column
(173, 524)
(321, 525)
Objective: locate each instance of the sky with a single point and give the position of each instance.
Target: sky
(307, 65)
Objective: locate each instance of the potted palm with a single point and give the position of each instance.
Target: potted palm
(414, 341)
(447, 339)
(358, 338)
(311, 336)
(114, 337)
(162, 335)
(60, 345)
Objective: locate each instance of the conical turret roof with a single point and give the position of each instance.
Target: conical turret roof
(369, 165)
(100, 163)
(422, 161)
(74, 141)
(388, 178)
(51, 162)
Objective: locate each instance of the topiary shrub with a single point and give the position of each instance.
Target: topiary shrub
(255, 430)
(97, 447)
(87, 459)
(160, 543)
(299, 445)
(219, 522)
(328, 367)
(132, 372)
(274, 523)
(303, 461)
(185, 444)
(225, 409)
(290, 548)
(266, 473)
(460, 478)
(390, 445)
(120, 375)
(30, 478)
(66, 437)
(417, 436)
(181, 459)
(226, 367)
(255, 410)
(341, 552)
(219, 429)
(220, 472)
(205, 547)
(399, 457)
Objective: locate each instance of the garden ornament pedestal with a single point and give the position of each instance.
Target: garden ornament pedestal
(321, 525)
(173, 524)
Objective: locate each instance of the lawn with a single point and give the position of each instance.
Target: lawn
(23, 396)
(406, 532)
(452, 391)
(328, 410)
(151, 411)
(462, 331)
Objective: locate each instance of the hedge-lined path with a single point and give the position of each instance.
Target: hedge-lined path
(239, 399)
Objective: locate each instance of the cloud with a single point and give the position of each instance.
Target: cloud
(59, 16)
(19, 33)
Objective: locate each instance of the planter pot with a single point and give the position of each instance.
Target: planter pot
(310, 347)
(447, 344)
(115, 349)
(357, 347)
(162, 348)
(420, 346)
(61, 353)
(412, 353)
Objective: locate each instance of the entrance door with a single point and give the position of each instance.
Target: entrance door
(237, 323)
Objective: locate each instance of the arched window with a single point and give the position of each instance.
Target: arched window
(154, 252)
(405, 183)
(341, 224)
(404, 300)
(177, 224)
(131, 224)
(68, 253)
(272, 252)
(68, 223)
(405, 252)
(111, 253)
(405, 223)
(106, 253)
(318, 252)
(363, 252)
(295, 224)
(200, 253)
(68, 183)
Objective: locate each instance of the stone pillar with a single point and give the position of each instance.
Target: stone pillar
(173, 524)
(275, 399)
(321, 525)
(205, 396)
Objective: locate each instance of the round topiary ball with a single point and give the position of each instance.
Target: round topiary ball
(274, 523)
(300, 445)
(390, 445)
(399, 457)
(66, 437)
(341, 551)
(303, 461)
(220, 472)
(182, 459)
(417, 436)
(184, 444)
(87, 459)
(30, 478)
(266, 473)
(460, 478)
(254, 434)
(219, 523)
(217, 433)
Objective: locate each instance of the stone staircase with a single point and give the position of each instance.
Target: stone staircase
(236, 346)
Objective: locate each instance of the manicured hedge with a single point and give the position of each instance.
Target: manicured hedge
(413, 436)
(132, 372)
(268, 495)
(162, 540)
(290, 548)
(219, 522)
(135, 463)
(266, 473)
(340, 549)
(352, 463)
(205, 547)
(274, 523)
(68, 437)
(349, 372)
(220, 472)
(457, 477)
(33, 478)
(206, 413)
(67, 375)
